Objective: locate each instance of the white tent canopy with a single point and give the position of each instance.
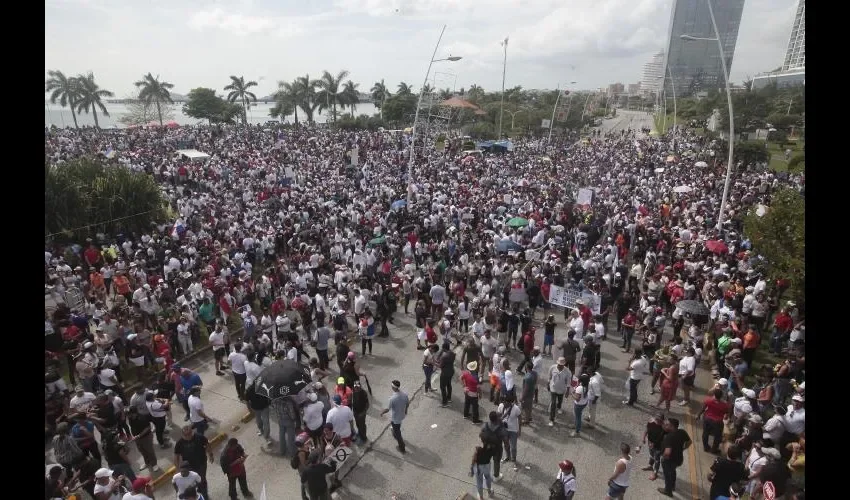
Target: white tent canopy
(193, 154)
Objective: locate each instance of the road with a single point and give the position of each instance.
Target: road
(626, 119)
(440, 442)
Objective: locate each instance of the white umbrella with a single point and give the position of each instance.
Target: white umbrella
(682, 189)
(659, 170)
(701, 164)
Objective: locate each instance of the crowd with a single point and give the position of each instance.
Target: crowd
(264, 266)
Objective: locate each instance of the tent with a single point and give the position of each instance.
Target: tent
(192, 154)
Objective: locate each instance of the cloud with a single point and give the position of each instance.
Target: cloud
(242, 24)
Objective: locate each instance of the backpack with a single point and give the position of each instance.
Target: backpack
(224, 460)
(556, 490)
(295, 462)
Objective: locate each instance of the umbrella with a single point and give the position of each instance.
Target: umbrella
(377, 241)
(408, 228)
(398, 204)
(281, 379)
(518, 222)
(701, 164)
(172, 124)
(682, 189)
(508, 246)
(659, 170)
(693, 307)
(716, 246)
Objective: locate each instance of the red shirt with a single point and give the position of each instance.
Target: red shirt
(527, 343)
(71, 333)
(586, 315)
(92, 255)
(715, 409)
(629, 320)
(234, 453)
(783, 322)
(545, 288)
(470, 382)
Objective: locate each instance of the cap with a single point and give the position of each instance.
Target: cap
(566, 465)
(396, 384)
(748, 393)
(562, 361)
(340, 381)
(797, 397)
(472, 366)
(736, 340)
(722, 381)
(140, 483)
(337, 399)
(328, 425)
(88, 345)
(302, 438)
(79, 388)
(772, 453)
(350, 355)
(103, 472)
(131, 336)
(313, 397)
(756, 419)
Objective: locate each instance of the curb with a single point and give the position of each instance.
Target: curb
(247, 417)
(169, 472)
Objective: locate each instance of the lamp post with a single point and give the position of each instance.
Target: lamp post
(502, 105)
(675, 109)
(554, 109)
(731, 115)
(416, 116)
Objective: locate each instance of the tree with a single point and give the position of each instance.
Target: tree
(140, 112)
(203, 104)
(330, 93)
(780, 237)
(63, 89)
(287, 97)
(475, 93)
(780, 137)
(305, 90)
(283, 105)
(797, 163)
(153, 91)
(91, 97)
(380, 93)
(239, 90)
(404, 89)
(446, 94)
(397, 107)
(749, 152)
(85, 196)
(351, 95)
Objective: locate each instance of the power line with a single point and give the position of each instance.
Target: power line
(101, 223)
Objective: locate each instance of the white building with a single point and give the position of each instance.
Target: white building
(795, 56)
(651, 83)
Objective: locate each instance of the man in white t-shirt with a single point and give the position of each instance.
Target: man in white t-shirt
(105, 486)
(687, 373)
(217, 342)
(510, 412)
(198, 418)
(185, 478)
(237, 367)
(342, 418)
(81, 401)
(638, 369)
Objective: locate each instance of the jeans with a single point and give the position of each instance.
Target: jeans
(592, 411)
(633, 395)
(655, 458)
(124, 469)
(360, 420)
(470, 402)
(579, 409)
(669, 469)
(429, 370)
(200, 427)
(497, 459)
(510, 446)
(714, 429)
(364, 342)
(243, 485)
(555, 402)
(482, 476)
(287, 437)
(239, 380)
(323, 358)
(446, 386)
(628, 333)
(397, 435)
(262, 419)
(776, 341)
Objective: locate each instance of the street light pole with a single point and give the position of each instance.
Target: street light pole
(555, 108)
(675, 110)
(502, 106)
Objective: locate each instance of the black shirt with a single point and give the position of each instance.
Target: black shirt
(483, 456)
(314, 476)
(655, 433)
(676, 442)
(139, 423)
(107, 413)
(778, 474)
(256, 401)
(193, 450)
(726, 473)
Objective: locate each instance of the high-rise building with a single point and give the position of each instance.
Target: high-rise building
(634, 88)
(695, 65)
(795, 56)
(651, 83)
(616, 88)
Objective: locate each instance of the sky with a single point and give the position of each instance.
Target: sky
(199, 43)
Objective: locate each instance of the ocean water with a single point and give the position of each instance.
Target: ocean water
(258, 114)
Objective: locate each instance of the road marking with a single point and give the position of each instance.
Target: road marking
(692, 455)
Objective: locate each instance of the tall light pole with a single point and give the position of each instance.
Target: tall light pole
(416, 116)
(502, 106)
(554, 109)
(731, 115)
(675, 109)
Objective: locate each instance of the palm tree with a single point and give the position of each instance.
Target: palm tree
(446, 94)
(239, 90)
(305, 91)
(475, 92)
(380, 93)
(404, 89)
(91, 96)
(63, 89)
(286, 99)
(331, 94)
(427, 89)
(351, 95)
(154, 91)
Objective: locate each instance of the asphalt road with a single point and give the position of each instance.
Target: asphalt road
(440, 442)
(626, 119)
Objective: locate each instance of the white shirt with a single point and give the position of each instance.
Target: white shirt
(105, 377)
(578, 325)
(81, 403)
(569, 482)
(237, 362)
(340, 417)
(106, 488)
(252, 370)
(137, 496)
(217, 340)
(595, 386)
(742, 407)
(156, 408)
(313, 415)
(510, 417)
(687, 365)
(639, 368)
(580, 396)
(191, 479)
(622, 478)
(774, 428)
(795, 420)
(195, 407)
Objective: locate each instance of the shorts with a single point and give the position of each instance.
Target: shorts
(219, 354)
(615, 490)
(548, 340)
(689, 380)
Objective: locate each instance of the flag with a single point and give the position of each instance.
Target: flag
(178, 229)
(263, 492)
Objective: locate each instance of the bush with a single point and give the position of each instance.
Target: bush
(797, 163)
(780, 137)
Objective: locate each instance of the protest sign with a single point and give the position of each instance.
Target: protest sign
(566, 297)
(585, 196)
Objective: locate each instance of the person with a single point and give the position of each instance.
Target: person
(669, 382)
(591, 356)
(429, 360)
(493, 436)
(529, 386)
(140, 430)
(237, 360)
(66, 451)
(314, 476)
(187, 380)
(566, 479)
(216, 340)
(618, 483)
(653, 437)
(560, 379)
(343, 391)
(471, 391)
(360, 405)
(446, 360)
(549, 335)
(714, 410)
(594, 388)
(259, 406)
(687, 373)
(195, 449)
(726, 472)
(628, 325)
(323, 334)
(234, 456)
(54, 487)
(185, 479)
(570, 349)
(510, 414)
(397, 406)
(107, 487)
(674, 444)
(142, 490)
(191, 493)
(580, 401)
(197, 416)
(480, 469)
(158, 411)
(342, 419)
(638, 370)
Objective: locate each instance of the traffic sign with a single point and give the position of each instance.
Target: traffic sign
(769, 491)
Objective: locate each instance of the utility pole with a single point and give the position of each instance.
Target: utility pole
(502, 106)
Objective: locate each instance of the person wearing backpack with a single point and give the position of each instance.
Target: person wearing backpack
(564, 486)
(510, 414)
(446, 360)
(299, 460)
(493, 435)
(480, 469)
(232, 462)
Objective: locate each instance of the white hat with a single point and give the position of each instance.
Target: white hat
(722, 381)
(736, 340)
(312, 396)
(751, 394)
(88, 345)
(131, 336)
(756, 419)
(797, 397)
(103, 472)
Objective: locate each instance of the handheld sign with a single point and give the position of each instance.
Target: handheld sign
(769, 491)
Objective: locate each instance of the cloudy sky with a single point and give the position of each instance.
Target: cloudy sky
(194, 43)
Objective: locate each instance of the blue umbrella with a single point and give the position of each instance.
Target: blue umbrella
(398, 204)
(508, 246)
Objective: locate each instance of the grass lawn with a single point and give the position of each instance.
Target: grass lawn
(777, 154)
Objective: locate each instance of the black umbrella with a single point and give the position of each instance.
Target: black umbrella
(408, 228)
(283, 378)
(693, 307)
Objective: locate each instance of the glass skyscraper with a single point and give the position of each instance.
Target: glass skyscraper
(695, 65)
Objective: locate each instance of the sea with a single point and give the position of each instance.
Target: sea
(257, 114)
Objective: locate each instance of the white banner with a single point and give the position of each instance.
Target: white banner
(585, 196)
(566, 297)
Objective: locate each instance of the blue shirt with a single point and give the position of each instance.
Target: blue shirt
(191, 381)
(398, 407)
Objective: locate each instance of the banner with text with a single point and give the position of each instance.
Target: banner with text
(585, 197)
(567, 297)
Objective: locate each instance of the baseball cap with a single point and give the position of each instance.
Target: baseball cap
(748, 393)
(562, 361)
(313, 397)
(566, 465)
(797, 397)
(337, 399)
(103, 472)
(396, 384)
(722, 381)
(185, 464)
(140, 483)
(340, 381)
(756, 419)
(302, 438)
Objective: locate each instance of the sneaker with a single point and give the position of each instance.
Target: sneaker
(625, 402)
(573, 434)
(259, 433)
(560, 411)
(683, 403)
(497, 477)
(219, 372)
(506, 459)
(156, 468)
(647, 468)
(145, 466)
(516, 467)
(248, 495)
(269, 442)
(665, 492)
(490, 492)
(551, 424)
